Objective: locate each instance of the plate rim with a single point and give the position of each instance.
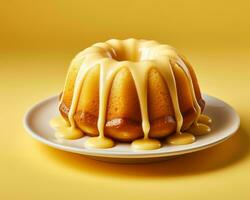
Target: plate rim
(137, 154)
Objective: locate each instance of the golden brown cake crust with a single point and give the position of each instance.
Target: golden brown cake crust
(125, 130)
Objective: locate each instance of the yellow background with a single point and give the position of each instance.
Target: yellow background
(37, 41)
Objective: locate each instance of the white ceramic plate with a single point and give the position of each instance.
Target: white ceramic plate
(225, 124)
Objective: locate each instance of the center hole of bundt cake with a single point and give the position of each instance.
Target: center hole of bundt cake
(132, 55)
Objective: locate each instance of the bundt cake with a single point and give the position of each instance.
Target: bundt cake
(131, 90)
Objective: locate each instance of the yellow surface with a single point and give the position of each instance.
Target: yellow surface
(37, 42)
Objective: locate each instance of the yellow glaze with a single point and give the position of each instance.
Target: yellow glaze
(99, 142)
(138, 56)
(204, 119)
(68, 133)
(146, 144)
(64, 130)
(199, 129)
(180, 139)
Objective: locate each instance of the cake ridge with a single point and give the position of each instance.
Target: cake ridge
(109, 58)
